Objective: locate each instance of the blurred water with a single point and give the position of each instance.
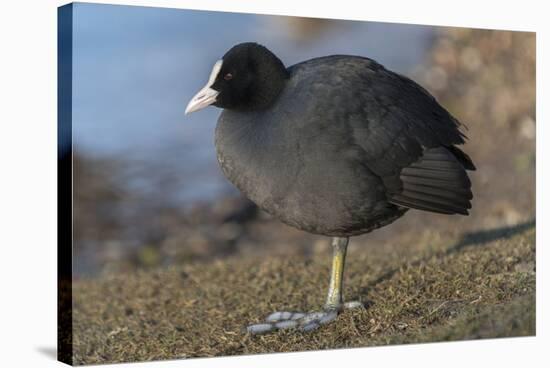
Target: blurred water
(135, 68)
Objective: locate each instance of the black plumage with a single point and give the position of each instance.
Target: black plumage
(343, 147)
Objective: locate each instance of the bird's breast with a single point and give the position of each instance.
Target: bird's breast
(256, 157)
(311, 183)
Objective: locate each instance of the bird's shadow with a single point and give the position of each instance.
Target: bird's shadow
(475, 238)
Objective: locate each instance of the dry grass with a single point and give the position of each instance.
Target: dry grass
(480, 286)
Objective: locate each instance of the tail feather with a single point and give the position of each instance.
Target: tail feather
(437, 182)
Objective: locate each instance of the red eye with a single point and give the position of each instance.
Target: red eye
(228, 76)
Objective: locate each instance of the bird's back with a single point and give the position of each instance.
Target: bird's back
(329, 155)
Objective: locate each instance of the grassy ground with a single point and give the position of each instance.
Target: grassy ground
(476, 286)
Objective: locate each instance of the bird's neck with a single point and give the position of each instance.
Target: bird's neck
(271, 78)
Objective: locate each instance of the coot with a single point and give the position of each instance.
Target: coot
(337, 146)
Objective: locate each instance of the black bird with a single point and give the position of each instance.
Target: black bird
(337, 146)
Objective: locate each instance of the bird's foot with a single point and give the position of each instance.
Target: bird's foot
(304, 321)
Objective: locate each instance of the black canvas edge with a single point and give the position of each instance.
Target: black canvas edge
(64, 184)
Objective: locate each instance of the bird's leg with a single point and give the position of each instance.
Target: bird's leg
(312, 320)
(334, 296)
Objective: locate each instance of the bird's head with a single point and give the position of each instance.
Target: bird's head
(248, 77)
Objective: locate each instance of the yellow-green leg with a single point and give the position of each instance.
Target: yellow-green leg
(334, 296)
(333, 305)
